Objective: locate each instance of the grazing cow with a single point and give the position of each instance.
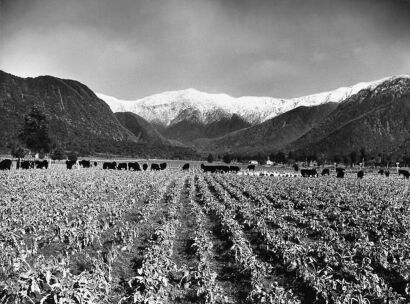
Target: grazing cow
(69, 164)
(110, 165)
(85, 163)
(387, 173)
(27, 164)
(155, 167)
(309, 172)
(145, 167)
(325, 171)
(296, 167)
(134, 166)
(360, 174)
(251, 167)
(206, 168)
(381, 172)
(95, 164)
(215, 169)
(5, 164)
(185, 167)
(234, 169)
(405, 173)
(40, 164)
(163, 166)
(340, 172)
(122, 166)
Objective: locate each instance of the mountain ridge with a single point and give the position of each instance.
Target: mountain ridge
(78, 120)
(165, 108)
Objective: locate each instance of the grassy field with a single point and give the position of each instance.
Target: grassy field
(108, 236)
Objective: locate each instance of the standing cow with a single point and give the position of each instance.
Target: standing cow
(340, 172)
(405, 173)
(27, 164)
(309, 172)
(325, 171)
(85, 163)
(122, 166)
(70, 163)
(134, 166)
(5, 164)
(109, 165)
(155, 167)
(40, 164)
(360, 174)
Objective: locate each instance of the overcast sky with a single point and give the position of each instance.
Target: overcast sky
(134, 48)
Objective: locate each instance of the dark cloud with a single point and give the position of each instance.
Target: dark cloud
(280, 48)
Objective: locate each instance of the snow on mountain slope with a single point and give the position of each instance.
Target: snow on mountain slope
(170, 107)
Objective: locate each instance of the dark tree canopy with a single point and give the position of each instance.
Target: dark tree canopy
(18, 152)
(210, 158)
(35, 133)
(72, 156)
(226, 158)
(57, 154)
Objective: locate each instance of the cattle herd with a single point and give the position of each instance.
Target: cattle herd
(6, 164)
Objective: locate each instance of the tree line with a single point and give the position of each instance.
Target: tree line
(354, 157)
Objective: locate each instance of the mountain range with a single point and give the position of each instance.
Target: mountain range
(370, 115)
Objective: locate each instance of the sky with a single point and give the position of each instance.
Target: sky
(134, 48)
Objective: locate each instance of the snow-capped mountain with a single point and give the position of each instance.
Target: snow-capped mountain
(171, 107)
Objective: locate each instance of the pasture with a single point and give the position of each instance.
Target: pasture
(172, 236)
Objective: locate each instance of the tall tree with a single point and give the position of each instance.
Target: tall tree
(35, 132)
(353, 157)
(362, 154)
(226, 158)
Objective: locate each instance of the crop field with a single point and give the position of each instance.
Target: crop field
(109, 236)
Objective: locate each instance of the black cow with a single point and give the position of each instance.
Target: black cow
(309, 172)
(145, 167)
(85, 163)
(251, 167)
(109, 165)
(122, 166)
(134, 166)
(40, 164)
(155, 167)
(381, 172)
(69, 164)
(27, 164)
(5, 164)
(206, 168)
(405, 173)
(185, 167)
(296, 167)
(163, 166)
(360, 174)
(387, 173)
(234, 169)
(340, 172)
(95, 164)
(215, 169)
(325, 171)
